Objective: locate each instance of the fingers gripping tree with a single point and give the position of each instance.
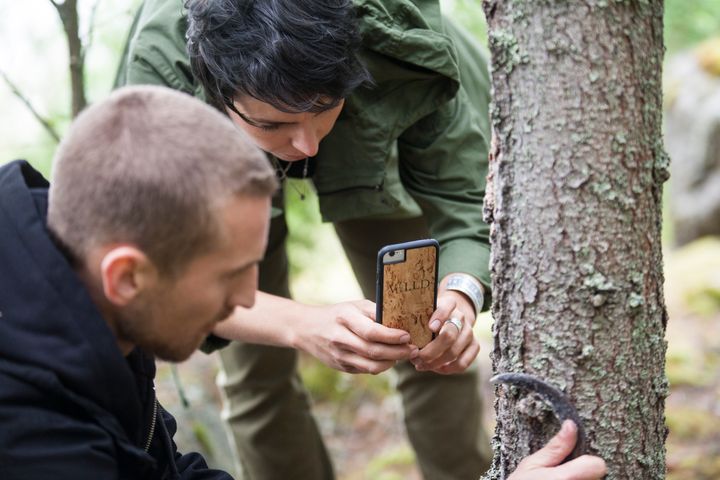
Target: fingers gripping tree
(574, 199)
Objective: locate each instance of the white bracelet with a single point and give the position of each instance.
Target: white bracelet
(468, 286)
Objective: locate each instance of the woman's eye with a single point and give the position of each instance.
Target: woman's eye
(268, 127)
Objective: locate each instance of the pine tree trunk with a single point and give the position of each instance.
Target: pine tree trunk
(574, 198)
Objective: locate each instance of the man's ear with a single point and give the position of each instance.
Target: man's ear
(125, 272)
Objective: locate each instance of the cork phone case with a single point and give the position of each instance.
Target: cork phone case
(407, 288)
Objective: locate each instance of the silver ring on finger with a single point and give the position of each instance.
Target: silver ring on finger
(455, 322)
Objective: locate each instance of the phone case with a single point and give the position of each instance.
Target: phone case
(406, 289)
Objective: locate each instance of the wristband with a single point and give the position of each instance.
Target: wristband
(468, 286)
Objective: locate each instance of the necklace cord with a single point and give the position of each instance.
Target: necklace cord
(282, 174)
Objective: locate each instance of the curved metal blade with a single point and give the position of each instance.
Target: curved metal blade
(560, 403)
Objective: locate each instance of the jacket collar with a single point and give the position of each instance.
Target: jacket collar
(50, 326)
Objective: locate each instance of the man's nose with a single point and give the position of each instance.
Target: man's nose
(244, 290)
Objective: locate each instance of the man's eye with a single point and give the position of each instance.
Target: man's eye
(268, 127)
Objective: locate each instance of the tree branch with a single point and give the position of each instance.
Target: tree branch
(70, 22)
(91, 29)
(43, 121)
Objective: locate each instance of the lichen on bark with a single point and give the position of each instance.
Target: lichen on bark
(576, 173)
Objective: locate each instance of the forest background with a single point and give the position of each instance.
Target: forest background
(360, 415)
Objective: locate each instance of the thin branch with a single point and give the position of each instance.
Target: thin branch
(44, 121)
(91, 29)
(69, 17)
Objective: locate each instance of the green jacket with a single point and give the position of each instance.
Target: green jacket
(414, 144)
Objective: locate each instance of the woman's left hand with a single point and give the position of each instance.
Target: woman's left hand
(454, 347)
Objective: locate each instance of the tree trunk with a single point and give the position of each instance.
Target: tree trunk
(574, 199)
(69, 16)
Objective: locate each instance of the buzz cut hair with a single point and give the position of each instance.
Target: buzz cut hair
(150, 166)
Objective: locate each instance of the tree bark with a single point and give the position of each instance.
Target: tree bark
(69, 16)
(574, 200)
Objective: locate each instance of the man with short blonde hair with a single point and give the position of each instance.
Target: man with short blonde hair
(149, 167)
(152, 238)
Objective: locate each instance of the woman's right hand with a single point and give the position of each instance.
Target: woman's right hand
(346, 337)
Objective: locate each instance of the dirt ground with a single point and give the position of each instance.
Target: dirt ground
(361, 418)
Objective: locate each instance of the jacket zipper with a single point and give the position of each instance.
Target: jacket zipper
(375, 188)
(152, 425)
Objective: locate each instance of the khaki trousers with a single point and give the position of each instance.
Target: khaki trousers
(268, 411)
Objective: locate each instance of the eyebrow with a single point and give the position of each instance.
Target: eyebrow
(257, 122)
(245, 266)
(260, 122)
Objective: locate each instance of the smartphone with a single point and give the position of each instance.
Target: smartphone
(406, 288)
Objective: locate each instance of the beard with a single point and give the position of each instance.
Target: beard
(140, 326)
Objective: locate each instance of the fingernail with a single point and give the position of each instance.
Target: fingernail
(414, 353)
(405, 338)
(567, 426)
(434, 325)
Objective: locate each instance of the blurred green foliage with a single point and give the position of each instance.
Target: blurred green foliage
(391, 465)
(697, 467)
(692, 424)
(325, 384)
(470, 15)
(41, 70)
(694, 276)
(203, 437)
(688, 22)
(705, 300)
(302, 215)
(691, 368)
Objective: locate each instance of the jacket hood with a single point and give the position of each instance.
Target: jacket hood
(51, 333)
(411, 31)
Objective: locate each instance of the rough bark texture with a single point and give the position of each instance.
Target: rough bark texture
(576, 174)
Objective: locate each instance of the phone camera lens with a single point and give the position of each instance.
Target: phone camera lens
(392, 254)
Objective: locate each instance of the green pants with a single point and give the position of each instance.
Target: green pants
(268, 411)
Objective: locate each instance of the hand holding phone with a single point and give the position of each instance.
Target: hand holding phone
(406, 288)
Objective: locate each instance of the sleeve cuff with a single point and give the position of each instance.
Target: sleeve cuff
(467, 256)
(212, 343)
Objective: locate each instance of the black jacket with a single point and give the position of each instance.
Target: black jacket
(71, 406)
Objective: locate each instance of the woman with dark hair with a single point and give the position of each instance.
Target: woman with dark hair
(383, 104)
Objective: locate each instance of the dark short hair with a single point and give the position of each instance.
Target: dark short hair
(296, 55)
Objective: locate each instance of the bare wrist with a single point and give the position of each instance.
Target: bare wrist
(299, 328)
